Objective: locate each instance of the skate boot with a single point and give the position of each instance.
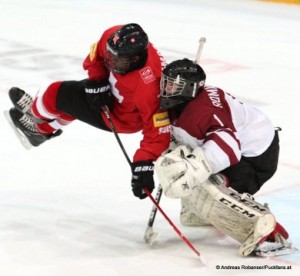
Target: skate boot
(20, 99)
(25, 129)
(275, 244)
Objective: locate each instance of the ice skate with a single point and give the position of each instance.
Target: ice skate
(25, 128)
(21, 100)
(275, 244)
(264, 244)
(262, 228)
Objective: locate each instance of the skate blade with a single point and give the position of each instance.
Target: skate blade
(22, 138)
(277, 252)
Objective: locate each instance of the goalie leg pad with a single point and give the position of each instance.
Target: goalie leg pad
(188, 218)
(263, 226)
(238, 216)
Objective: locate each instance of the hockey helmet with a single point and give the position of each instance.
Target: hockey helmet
(182, 80)
(126, 49)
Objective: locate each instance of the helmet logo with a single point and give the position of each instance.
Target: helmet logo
(201, 83)
(116, 38)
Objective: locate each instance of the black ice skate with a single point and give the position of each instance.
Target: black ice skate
(21, 100)
(25, 128)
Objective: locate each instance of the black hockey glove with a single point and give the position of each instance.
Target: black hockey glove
(98, 94)
(142, 177)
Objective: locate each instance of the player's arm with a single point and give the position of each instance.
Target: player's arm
(94, 62)
(156, 138)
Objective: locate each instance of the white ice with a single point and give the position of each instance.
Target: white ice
(66, 208)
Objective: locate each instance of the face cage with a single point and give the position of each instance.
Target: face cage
(119, 65)
(170, 87)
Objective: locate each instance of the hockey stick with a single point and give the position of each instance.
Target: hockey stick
(150, 235)
(172, 224)
(107, 114)
(202, 40)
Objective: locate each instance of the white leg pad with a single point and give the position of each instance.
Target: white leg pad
(188, 218)
(237, 215)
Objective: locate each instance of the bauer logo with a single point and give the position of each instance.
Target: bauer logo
(147, 75)
(97, 90)
(161, 119)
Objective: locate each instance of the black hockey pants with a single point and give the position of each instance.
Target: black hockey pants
(71, 99)
(251, 173)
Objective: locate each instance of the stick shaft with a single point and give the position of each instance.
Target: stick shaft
(154, 208)
(172, 224)
(202, 40)
(153, 212)
(107, 114)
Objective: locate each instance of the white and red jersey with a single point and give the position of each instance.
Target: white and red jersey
(136, 105)
(224, 127)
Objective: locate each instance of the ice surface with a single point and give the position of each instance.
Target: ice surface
(66, 207)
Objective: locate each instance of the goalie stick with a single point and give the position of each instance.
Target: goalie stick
(150, 235)
(202, 40)
(173, 225)
(107, 114)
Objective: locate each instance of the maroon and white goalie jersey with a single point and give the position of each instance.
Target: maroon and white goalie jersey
(225, 128)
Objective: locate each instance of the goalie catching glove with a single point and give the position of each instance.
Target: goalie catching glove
(180, 170)
(142, 177)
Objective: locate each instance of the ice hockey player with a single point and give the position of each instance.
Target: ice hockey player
(223, 152)
(124, 71)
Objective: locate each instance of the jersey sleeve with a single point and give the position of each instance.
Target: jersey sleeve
(214, 133)
(221, 145)
(156, 124)
(94, 62)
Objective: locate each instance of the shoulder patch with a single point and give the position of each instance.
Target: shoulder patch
(147, 75)
(93, 50)
(161, 119)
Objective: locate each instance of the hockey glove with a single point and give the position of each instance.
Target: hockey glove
(180, 170)
(98, 94)
(142, 177)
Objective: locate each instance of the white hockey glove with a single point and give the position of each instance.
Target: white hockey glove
(180, 170)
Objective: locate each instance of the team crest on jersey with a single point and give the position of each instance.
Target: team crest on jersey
(161, 119)
(93, 50)
(147, 75)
